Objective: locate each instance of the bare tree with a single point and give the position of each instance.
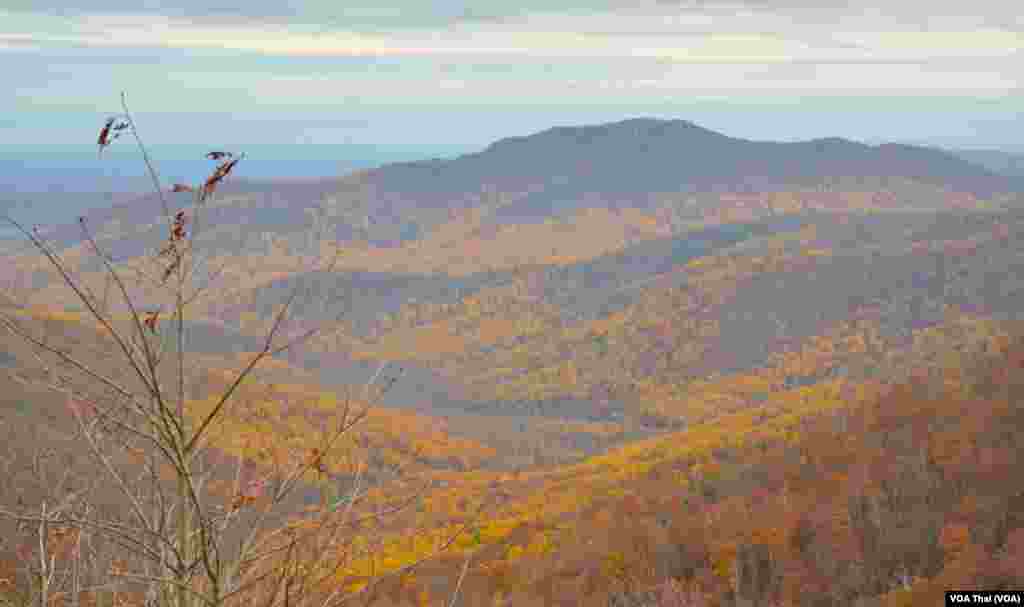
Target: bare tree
(165, 515)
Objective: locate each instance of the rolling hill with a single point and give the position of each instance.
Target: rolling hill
(997, 161)
(638, 336)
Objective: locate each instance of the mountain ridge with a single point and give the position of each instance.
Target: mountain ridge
(713, 161)
(637, 162)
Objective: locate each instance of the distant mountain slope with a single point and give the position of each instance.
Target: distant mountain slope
(633, 163)
(997, 161)
(633, 160)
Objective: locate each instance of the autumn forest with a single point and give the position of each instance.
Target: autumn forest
(637, 364)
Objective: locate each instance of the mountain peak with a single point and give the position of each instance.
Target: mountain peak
(637, 159)
(628, 129)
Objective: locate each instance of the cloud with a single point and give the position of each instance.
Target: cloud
(355, 15)
(745, 37)
(384, 16)
(290, 57)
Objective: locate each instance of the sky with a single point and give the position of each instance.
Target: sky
(469, 72)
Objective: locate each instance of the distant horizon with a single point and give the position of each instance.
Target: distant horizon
(428, 146)
(78, 168)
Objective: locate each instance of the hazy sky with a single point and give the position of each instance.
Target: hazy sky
(455, 71)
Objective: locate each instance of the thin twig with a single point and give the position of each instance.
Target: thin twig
(458, 585)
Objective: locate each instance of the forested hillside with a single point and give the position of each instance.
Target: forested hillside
(633, 364)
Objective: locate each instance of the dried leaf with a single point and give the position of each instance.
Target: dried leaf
(222, 171)
(171, 268)
(241, 500)
(314, 459)
(105, 133)
(178, 229)
(112, 124)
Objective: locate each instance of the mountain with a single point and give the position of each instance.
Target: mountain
(731, 328)
(997, 161)
(49, 184)
(637, 163)
(633, 160)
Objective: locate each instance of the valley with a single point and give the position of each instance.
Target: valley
(630, 359)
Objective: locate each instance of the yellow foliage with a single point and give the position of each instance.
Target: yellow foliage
(53, 313)
(723, 560)
(615, 565)
(778, 414)
(901, 597)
